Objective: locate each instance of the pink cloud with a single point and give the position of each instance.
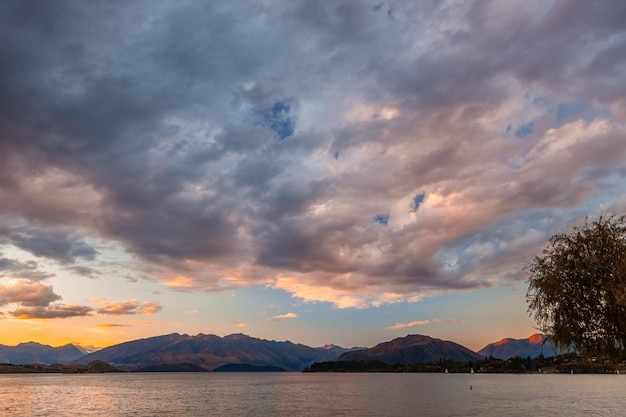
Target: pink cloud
(27, 293)
(56, 311)
(284, 316)
(128, 307)
(423, 323)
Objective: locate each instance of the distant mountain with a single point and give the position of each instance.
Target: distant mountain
(32, 352)
(86, 350)
(532, 346)
(210, 352)
(207, 352)
(413, 349)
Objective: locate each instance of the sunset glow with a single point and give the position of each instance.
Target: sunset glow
(341, 172)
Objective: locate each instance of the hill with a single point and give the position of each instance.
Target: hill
(413, 349)
(32, 352)
(210, 352)
(38, 368)
(181, 352)
(532, 346)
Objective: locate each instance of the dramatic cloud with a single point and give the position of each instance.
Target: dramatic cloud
(343, 151)
(36, 300)
(128, 307)
(27, 293)
(28, 270)
(55, 311)
(55, 243)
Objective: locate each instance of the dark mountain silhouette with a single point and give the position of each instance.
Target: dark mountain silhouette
(32, 352)
(413, 349)
(210, 352)
(39, 368)
(176, 352)
(532, 346)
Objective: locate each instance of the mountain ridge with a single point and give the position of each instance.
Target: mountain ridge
(413, 348)
(211, 352)
(208, 352)
(33, 352)
(533, 346)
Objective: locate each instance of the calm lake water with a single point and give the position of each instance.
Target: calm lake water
(311, 394)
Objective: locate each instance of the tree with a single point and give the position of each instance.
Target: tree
(577, 288)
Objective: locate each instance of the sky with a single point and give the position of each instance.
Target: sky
(342, 172)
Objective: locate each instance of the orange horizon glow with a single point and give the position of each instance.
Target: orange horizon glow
(57, 333)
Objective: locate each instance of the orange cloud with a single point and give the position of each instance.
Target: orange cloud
(59, 311)
(127, 307)
(410, 324)
(180, 282)
(28, 293)
(350, 296)
(423, 323)
(284, 316)
(150, 308)
(35, 300)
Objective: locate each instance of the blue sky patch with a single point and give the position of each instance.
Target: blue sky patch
(566, 112)
(569, 111)
(525, 130)
(418, 200)
(381, 219)
(280, 118)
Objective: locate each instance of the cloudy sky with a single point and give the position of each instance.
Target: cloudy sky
(339, 172)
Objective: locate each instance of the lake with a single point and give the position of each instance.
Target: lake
(311, 394)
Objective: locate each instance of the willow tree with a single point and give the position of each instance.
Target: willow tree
(577, 288)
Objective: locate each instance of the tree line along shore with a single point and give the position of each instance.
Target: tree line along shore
(567, 363)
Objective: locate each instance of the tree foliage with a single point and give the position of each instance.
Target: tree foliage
(577, 288)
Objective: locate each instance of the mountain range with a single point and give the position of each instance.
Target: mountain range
(32, 352)
(533, 346)
(210, 352)
(413, 348)
(202, 352)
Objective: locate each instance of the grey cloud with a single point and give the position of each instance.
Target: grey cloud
(57, 244)
(25, 270)
(84, 271)
(164, 126)
(55, 311)
(257, 173)
(128, 307)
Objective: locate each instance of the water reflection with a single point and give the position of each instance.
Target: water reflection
(296, 394)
